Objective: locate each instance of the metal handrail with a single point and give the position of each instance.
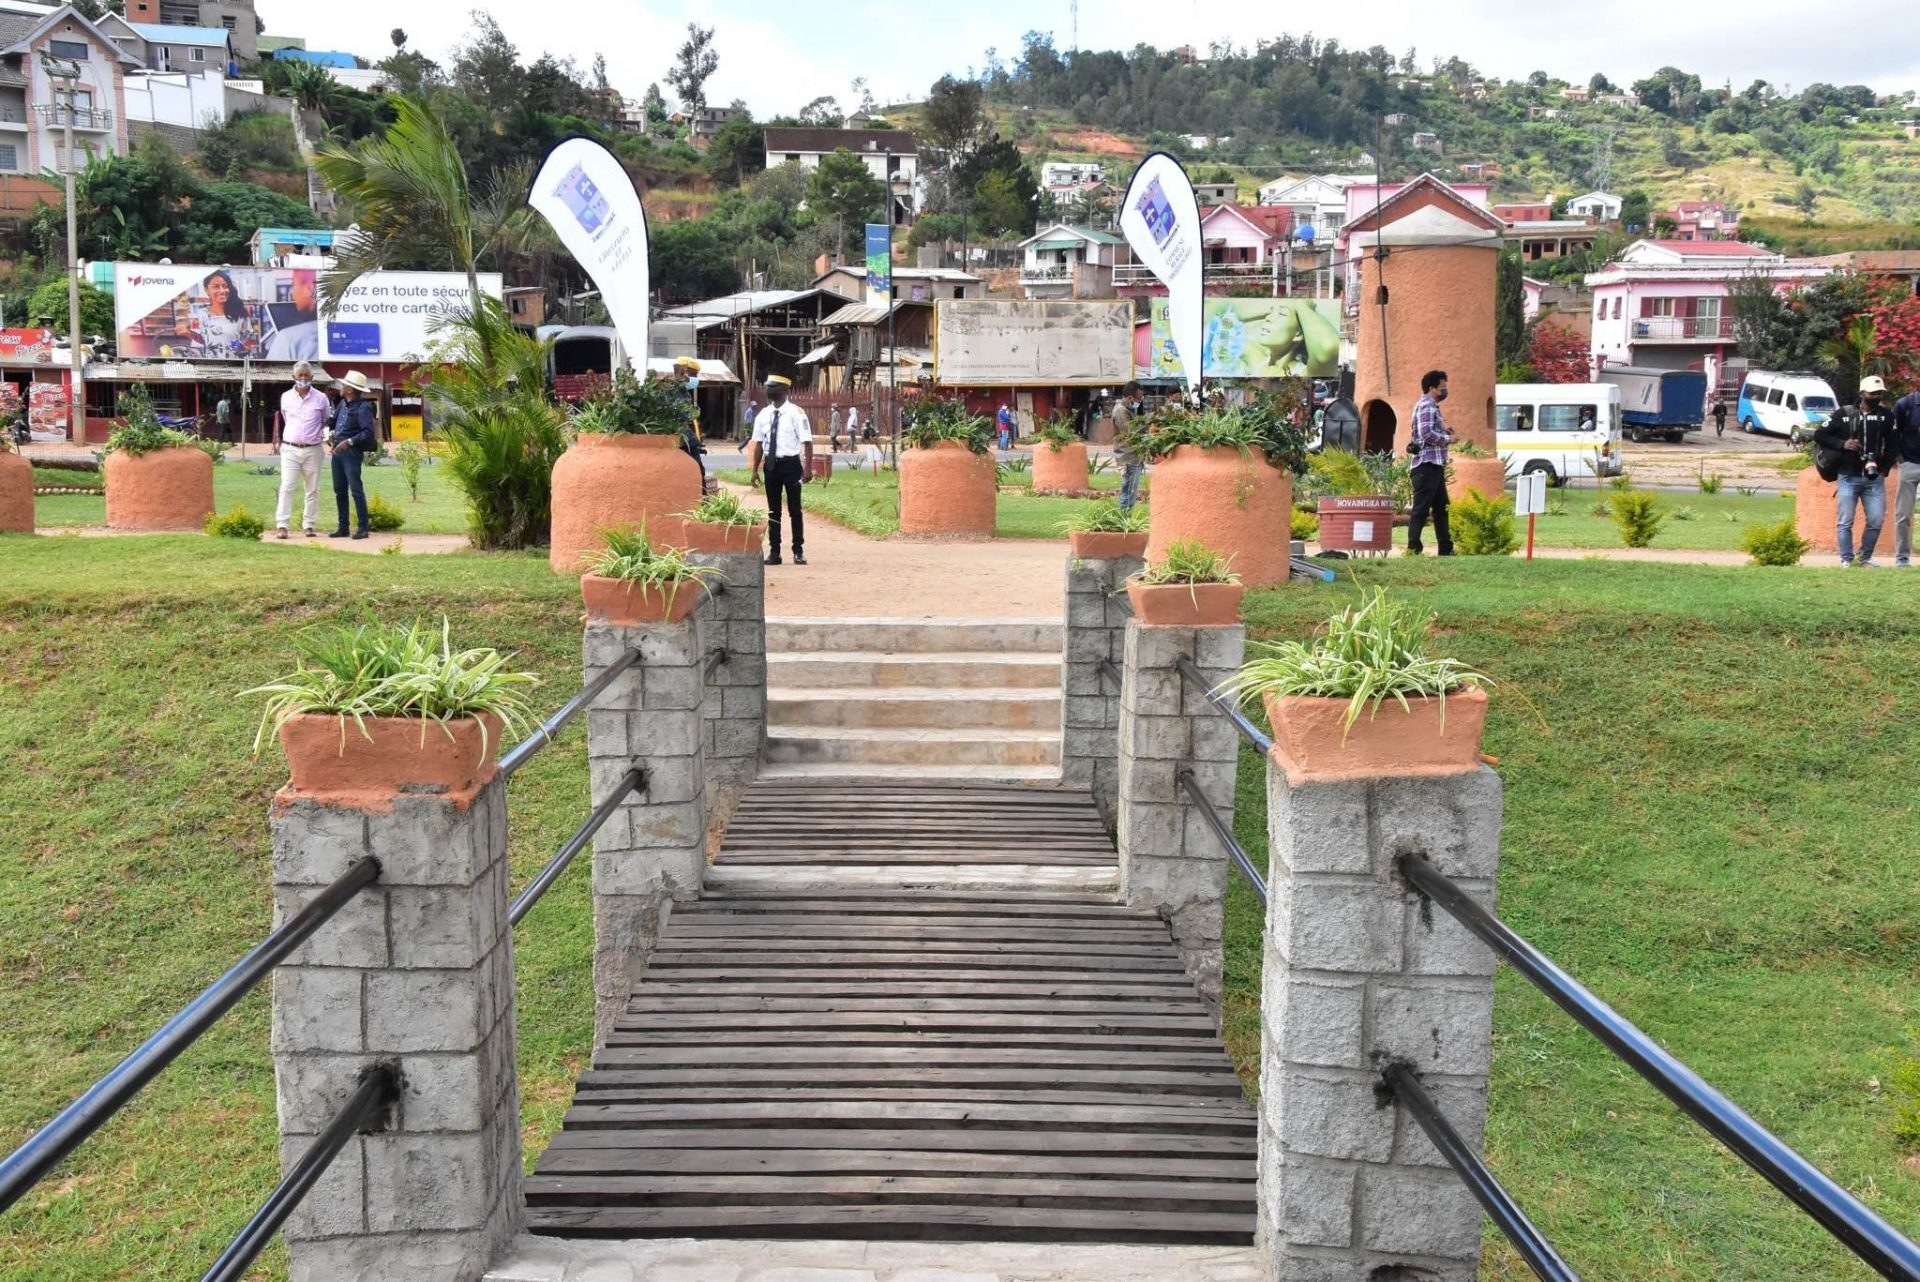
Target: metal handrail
(1111, 673)
(1124, 601)
(635, 778)
(1499, 1205)
(30, 1163)
(714, 661)
(379, 1087)
(1849, 1220)
(523, 752)
(1184, 777)
(1248, 731)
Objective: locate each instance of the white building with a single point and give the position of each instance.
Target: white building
(891, 155)
(32, 109)
(1062, 261)
(1061, 174)
(1319, 202)
(1598, 205)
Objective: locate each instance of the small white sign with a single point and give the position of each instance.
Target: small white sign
(1363, 531)
(1530, 494)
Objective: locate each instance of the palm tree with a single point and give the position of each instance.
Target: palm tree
(312, 90)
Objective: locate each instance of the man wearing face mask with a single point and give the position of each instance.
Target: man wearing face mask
(1861, 446)
(299, 428)
(1429, 449)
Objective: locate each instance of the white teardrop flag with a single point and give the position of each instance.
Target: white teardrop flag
(584, 192)
(1161, 220)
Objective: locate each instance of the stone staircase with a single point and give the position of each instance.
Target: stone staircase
(913, 699)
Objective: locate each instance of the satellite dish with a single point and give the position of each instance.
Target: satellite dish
(1305, 232)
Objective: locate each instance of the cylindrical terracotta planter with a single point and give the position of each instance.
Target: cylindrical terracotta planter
(1233, 501)
(947, 489)
(329, 758)
(1356, 523)
(1816, 507)
(1183, 605)
(16, 494)
(1060, 471)
(1104, 545)
(1310, 741)
(1487, 475)
(169, 489)
(702, 536)
(625, 603)
(604, 481)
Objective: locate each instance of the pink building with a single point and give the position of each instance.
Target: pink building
(1664, 303)
(1244, 247)
(1702, 220)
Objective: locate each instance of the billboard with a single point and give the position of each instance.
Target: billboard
(167, 312)
(1257, 338)
(879, 265)
(979, 342)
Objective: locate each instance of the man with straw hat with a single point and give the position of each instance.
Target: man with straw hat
(354, 435)
(782, 449)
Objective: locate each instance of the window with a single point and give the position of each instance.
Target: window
(196, 54)
(229, 22)
(78, 50)
(1563, 418)
(1616, 306)
(1773, 396)
(1793, 402)
(1512, 418)
(9, 158)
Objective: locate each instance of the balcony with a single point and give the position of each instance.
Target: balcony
(1683, 329)
(1139, 274)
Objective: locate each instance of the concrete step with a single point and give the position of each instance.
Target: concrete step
(954, 669)
(828, 774)
(907, 707)
(754, 882)
(915, 747)
(912, 636)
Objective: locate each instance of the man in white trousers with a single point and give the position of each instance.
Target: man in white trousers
(300, 428)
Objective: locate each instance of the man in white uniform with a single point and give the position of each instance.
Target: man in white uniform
(784, 439)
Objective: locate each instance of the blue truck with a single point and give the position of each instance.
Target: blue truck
(1658, 402)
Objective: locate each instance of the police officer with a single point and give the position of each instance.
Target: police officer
(783, 442)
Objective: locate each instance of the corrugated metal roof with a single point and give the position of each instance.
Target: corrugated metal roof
(179, 35)
(856, 314)
(718, 311)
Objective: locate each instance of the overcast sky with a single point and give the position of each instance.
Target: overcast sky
(778, 54)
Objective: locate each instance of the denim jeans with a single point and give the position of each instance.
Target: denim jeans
(346, 481)
(1871, 493)
(1130, 485)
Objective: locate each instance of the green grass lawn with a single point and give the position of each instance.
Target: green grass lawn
(1700, 522)
(869, 503)
(440, 510)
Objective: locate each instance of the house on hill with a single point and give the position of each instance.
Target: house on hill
(1063, 261)
(891, 155)
(1243, 247)
(1600, 206)
(1702, 220)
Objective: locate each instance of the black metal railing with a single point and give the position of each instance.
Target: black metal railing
(379, 1088)
(1111, 673)
(27, 1165)
(523, 752)
(1856, 1226)
(634, 780)
(1251, 733)
(715, 661)
(1235, 852)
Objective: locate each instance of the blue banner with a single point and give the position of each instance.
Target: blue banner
(879, 265)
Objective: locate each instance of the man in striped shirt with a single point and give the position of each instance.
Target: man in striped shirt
(1429, 449)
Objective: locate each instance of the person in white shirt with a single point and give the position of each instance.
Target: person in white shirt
(783, 438)
(853, 429)
(299, 429)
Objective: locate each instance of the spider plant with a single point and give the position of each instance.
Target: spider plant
(628, 554)
(1189, 563)
(721, 509)
(1105, 516)
(1058, 433)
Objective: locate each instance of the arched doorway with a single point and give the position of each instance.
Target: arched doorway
(1378, 423)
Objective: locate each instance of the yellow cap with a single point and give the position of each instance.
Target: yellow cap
(781, 379)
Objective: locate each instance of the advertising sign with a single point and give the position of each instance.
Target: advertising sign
(584, 192)
(1042, 343)
(275, 313)
(26, 345)
(1161, 221)
(1256, 338)
(879, 265)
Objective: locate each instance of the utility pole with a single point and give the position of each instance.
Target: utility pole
(67, 72)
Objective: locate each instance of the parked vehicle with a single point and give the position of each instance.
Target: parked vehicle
(1565, 430)
(1667, 403)
(1789, 404)
(582, 358)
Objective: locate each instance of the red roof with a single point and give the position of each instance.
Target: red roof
(1725, 248)
(1273, 220)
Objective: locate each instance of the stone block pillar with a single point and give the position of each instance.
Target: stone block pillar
(1090, 701)
(1170, 860)
(735, 705)
(1359, 973)
(653, 849)
(415, 972)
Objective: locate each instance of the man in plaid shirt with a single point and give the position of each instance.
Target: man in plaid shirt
(1429, 450)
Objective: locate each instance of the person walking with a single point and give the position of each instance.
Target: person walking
(1429, 449)
(784, 439)
(1906, 429)
(299, 428)
(1859, 444)
(1719, 416)
(833, 430)
(1006, 428)
(223, 418)
(1131, 464)
(354, 435)
(853, 429)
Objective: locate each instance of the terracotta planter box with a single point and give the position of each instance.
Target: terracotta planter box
(1816, 505)
(330, 760)
(604, 481)
(1234, 502)
(1104, 545)
(626, 604)
(170, 489)
(16, 494)
(946, 490)
(1487, 475)
(1310, 743)
(700, 536)
(1180, 605)
(1357, 523)
(1061, 471)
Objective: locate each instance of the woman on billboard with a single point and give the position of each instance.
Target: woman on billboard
(222, 321)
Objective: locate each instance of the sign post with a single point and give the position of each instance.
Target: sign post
(1530, 500)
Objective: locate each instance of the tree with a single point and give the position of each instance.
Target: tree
(1538, 80)
(690, 261)
(1599, 83)
(844, 189)
(823, 112)
(47, 308)
(1557, 353)
(654, 104)
(487, 67)
(737, 151)
(1509, 312)
(999, 206)
(694, 64)
(952, 123)
(1806, 199)
(863, 94)
(399, 37)
(312, 90)
(1636, 209)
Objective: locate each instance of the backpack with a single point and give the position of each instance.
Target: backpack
(1826, 459)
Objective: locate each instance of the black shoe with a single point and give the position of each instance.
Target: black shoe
(336, 534)
(774, 559)
(359, 534)
(799, 558)
(312, 533)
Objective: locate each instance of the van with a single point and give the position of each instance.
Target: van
(1565, 430)
(1785, 404)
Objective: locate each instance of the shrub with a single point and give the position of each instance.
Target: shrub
(1776, 544)
(1683, 513)
(947, 419)
(1710, 483)
(1483, 526)
(630, 406)
(142, 433)
(411, 455)
(1639, 517)
(1906, 1103)
(1105, 516)
(1306, 525)
(383, 516)
(1058, 433)
(721, 509)
(215, 450)
(628, 554)
(236, 523)
(1014, 471)
(1344, 474)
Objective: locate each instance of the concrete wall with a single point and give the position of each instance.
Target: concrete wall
(184, 99)
(1090, 705)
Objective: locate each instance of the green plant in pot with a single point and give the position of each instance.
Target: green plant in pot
(140, 432)
(721, 523)
(1367, 697)
(1192, 586)
(947, 476)
(377, 710)
(1057, 433)
(1102, 530)
(625, 466)
(634, 406)
(630, 582)
(947, 419)
(155, 478)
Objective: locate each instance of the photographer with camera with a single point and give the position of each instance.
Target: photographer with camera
(1858, 445)
(1428, 448)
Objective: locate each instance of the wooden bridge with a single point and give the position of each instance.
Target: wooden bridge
(834, 1042)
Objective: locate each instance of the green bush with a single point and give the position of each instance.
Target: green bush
(1776, 544)
(1305, 525)
(1483, 526)
(947, 419)
(629, 406)
(383, 516)
(1710, 482)
(142, 433)
(1639, 517)
(411, 455)
(1906, 1103)
(236, 523)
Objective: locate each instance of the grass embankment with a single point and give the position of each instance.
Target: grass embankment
(869, 503)
(1707, 823)
(255, 484)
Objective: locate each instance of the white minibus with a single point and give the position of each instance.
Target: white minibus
(1566, 430)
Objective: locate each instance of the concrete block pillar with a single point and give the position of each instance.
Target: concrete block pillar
(416, 972)
(1359, 973)
(1170, 860)
(653, 849)
(735, 704)
(1090, 701)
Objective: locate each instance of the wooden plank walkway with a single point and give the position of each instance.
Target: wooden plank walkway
(916, 1063)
